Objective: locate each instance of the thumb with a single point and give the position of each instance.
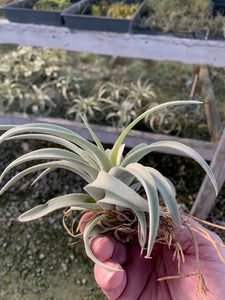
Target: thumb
(111, 282)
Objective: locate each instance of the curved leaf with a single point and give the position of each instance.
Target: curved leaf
(134, 149)
(44, 173)
(142, 174)
(103, 161)
(97, 141)
(56, 203)
(55, 164)
(167, 194)
(46, 153)
(60, 141)
(88, 233)
(122, 175)
(106, 182)
(157, 146)
(138, 119)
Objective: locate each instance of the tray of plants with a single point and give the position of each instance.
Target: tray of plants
(46, 12)
(201, 19)
(102, 15)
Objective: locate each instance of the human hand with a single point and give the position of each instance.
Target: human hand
(138, 276)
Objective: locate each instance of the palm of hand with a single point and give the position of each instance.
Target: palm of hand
(139, 278)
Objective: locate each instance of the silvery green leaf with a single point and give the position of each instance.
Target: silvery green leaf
(134, 149)
(87, 234)
(44, 173)
(97, 141)
(180, 148)
(120, 139)
(55, 164)
(46, 153)
(103, 161)
(56, 203)
(106, 182)
(120, 154)
(122, 175)
(6, 127)
(60, 141)
(145, 178)
(167, 195)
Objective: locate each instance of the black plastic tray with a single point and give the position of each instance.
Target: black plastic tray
(74, 18)
(20, 12)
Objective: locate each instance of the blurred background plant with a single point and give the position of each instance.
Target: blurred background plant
(90, 107)
(52, 4)
(183, 17)
(119, 9)
(175, 120)
(124, 101)
(37, 81)
(108, 90)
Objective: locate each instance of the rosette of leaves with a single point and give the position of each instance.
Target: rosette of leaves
(113, 181)
(92, 107)
(37, 81)
(174, 121)
(119, 110)
(142, 95)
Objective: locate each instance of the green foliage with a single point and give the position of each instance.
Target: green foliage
(174, 120)
(52, 4)
(123, 102)
(118, 9)
(36, 81)
(182, 16)
(91, 107)
(46, 82)
(42, 82)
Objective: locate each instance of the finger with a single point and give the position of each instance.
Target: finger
(111, 282)
(119, 252)
(105, 247)
(138, 270)
(102, 247)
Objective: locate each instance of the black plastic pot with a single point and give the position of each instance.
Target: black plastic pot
(74, 18)
(22, 12)
(218, 6)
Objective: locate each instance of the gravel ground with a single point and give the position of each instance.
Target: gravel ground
(36, 260)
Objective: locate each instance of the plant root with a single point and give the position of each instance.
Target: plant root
(125, 228)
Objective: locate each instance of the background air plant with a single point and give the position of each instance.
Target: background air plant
(113, 183)
(174, 120)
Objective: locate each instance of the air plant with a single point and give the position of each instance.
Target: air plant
(114, 180)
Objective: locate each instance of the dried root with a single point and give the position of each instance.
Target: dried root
(124, 227)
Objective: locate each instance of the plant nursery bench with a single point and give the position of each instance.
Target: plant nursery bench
(154, 47)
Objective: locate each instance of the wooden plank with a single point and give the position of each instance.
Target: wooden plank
(206, 195)
(211, 110)
(155, 47)
(108, 135)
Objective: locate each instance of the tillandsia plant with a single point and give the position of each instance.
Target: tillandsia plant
(183, 16)
(114, 181)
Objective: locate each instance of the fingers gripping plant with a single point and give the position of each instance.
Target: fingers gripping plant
(113, 182)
